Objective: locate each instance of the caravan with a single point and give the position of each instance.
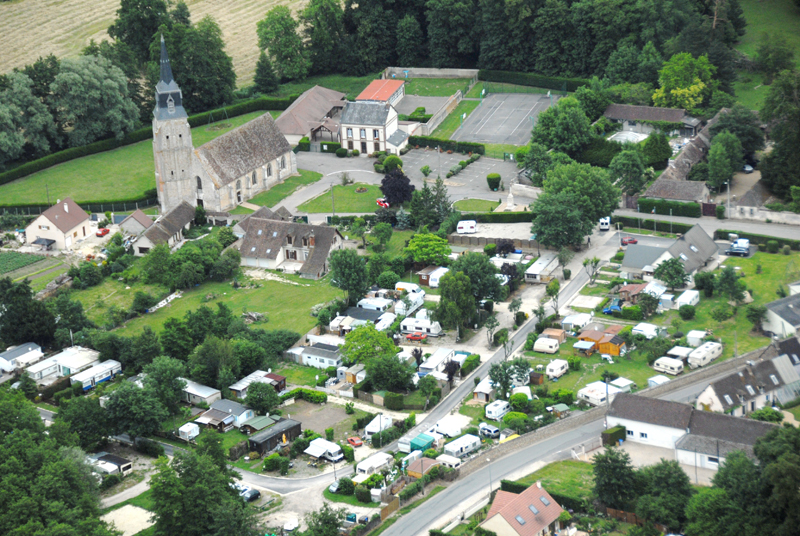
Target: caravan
(704, 354)
(436, 276)
(650, 331)
(557, 368)
(375, 304)
(668, 365)
(497, 410)
(545, 345)
(418, 325)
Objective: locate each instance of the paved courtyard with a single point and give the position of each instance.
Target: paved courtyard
(409, 103)
(503, 118)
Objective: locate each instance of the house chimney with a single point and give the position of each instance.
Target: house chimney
(539, 484)
(66, 208)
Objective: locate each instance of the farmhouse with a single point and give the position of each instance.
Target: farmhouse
(59, 227)
(641, 118)
(317, 355)
(136, 223)
(167, 230)
(531, 513)
(311, 115)
(222, 173)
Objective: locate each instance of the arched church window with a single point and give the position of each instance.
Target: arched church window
(269, 170)
(199, 183)
(238, 185)
(283, 162)
(254, 177)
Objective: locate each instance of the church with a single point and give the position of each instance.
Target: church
(222, 173)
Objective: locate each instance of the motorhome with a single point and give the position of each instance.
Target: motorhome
(418, 325)
(557, 368)
(704, 354)
(667, 365)
(690, 297)
(545, 345)
(497, 410)
(324, 449)
(467, 227)
(436, 276)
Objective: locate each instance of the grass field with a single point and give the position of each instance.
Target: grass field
(300, 375)
(11, 261)
(123, 173)
(568, 477)
(435, 87)
(453, 121)
(345, 499)
(287, 306)
(281, 191)
(96, 300)
(476, 205)
(350, 85)
(346, 199)
(781, 18)
(496, 150)
(396, 243)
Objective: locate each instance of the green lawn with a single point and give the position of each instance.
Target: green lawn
(750, 90)
(143, 500)
(241, 210)
(795, 411)
(568, 477)
(497, 150)
(435, 87)
(346, 499)
(123, 173)
(476, 413)
(97, 300)
(476, 205)
(453, 121)
(287, 306)
(351, 85)
(346, 199)
(281, 191)
(300, 375)
(396, 244)
(781, 18)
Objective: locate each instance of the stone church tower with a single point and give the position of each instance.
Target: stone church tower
(172, 140)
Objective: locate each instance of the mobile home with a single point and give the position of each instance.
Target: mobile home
(545, 345)
(668, 365)
(463, 446)
(598, 393)
(448, 427)
(576, 322)
(650, 331)
(690, 297)
(557, 368)
(415, 301)
(414, 325)
(695, 337)
(704, 354)
(98, 374)
(375, 304)
(436, 276)
(497, 410)
(542, 269)
(680, 352)
(374, 463)
(436, 362)
(449, 461)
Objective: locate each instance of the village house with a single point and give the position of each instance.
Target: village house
(21, 356)
(59, 227)
(166, 230)
(239, 389)
(531, 513)
(783, 315)
(313, 115)
(136, 223)
(371, 127)
(645, 119)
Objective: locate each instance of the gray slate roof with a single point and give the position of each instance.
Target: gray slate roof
(712, 447)
(735, 385)
(791, 348)
(727, 428)
(172, 222)
(397, 138)
(140, 217)
(309, 110)
(695, 239)
(322, 350)
(242, 150)
(677, 190)
(20, 350)
(651, 410)
(788, 309)
(229, 406)
(365, 113)
(693, 152)
(638, 256)
(167, 88)
(628, 112)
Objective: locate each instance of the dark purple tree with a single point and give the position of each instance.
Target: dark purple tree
(396, 188)
(504, 246)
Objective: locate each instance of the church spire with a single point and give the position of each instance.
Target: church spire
(166, 70)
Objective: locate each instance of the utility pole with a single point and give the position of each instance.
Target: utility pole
(333, 202)
(728, 206)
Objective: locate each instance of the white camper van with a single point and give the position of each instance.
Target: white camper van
(605, 224)
(668, 365)
(411, 288)
(704, 354)
(449, 461)
(436, 275)
(467, 227)
(497, 410)
(545, 345)
(557, 368)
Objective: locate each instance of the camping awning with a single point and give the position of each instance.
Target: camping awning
(315, 451)
(583, 345)
(44, 242)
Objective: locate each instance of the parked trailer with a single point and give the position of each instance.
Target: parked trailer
(704, 354)
(98, 374)
(668, 365)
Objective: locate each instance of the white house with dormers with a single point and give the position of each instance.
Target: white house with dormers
(371, 127)
(59, 227)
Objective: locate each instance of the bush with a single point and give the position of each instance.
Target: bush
(391, 163)
(499, 217)
(447, 145)
(761, 247)
(379, 168)
(500, 335)
(720, 210)
(283, 465)
(363, 494)
(772, 246)
(493, 179)
(470, 363)
(689, 210)
(786, 250)
(632, 313)
(393, 401)
(489, 305)
(686, 312)
(490, 249)
(356, 152)
(349, 454)
(110, 481)
(346, 487)
(388, 280)
(519, 318)
(599, 152)
(329, 434)
(533, 80)
(149, 448)
(341, 152)
(304, 144)
(567, 273)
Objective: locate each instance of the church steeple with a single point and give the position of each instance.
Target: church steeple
(169, 99)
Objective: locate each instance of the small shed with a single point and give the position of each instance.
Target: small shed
(537, 378)
(483, 391)
(657, 380)
(280, 433)
(420, 467)
(425, 275)
(586, 348)
(612, 345)
(561, 410)
(189, 431)
(591, 336)
(422, 442)
(553, 333)
(695, 337)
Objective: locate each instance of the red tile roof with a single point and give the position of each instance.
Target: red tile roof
(380, 90)
(511, 506)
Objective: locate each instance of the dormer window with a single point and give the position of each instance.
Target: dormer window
(305, 242)
(170, 105)
(289, 240)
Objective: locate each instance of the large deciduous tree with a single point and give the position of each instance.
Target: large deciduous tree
(366, 343)
(389, 372)
(277, 34)
(728, 285)
(744, 124)
(615, 482)
(88, 419)
(451, 32)
(597, 197)
(396, 187)
(672, 273)
(134, 411)
(163, 378)
(685, 82)
(563, 127)
(628, 170)
(26, 124)
(349, 272)
(137, 23)
(24, 318)
(427, 248)
(410, 42)
(457, 302)
(481, 272)
(558, 220)
(262, 398)
(323, 29)
(781, 110)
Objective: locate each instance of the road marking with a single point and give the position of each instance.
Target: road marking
(350, 171)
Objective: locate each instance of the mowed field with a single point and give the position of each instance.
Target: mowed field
(33, 28)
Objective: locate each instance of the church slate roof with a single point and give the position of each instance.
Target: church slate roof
(242, 150)
(309, 110)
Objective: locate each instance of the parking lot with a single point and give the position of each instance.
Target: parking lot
(503, 118)
(470, 182)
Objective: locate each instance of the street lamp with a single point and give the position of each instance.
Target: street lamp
(490, 477)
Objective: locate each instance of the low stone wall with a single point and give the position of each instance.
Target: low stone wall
(426, 129)
(760, 214)
(522, 190)
(424, 72)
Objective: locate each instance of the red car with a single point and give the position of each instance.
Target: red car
(354, 441)
(629, 240)
(416, 336)
(103, 231)
(381, 201)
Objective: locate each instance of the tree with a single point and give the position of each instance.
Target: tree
(366, 343)
(672, 273)
(451, 25)
(744, 124)
(564, 257)
(515, 305)
(325, 37)
(427, 385)
(666, 492)
(656, 149)
(427, 248)
(767, 414)
(491, 326)
(597, 195)
(423, 207)
(481, 272)
(265, 79)
(383, 232)
(780, 169)
(537, 162)
(396, 187)
(134, 411)
(325, 521)
(710, 513)
(519, 402)
(457, 301)
(501, 377)
(773, 55)
(163, 378)
(349, 273)
(359, 230)
(88, 419)
(26, 123)
(262, 398)
(623, 64)
(24, 318)
(615, 482)
(591, 266)
(389, 372)
(728, 284)
(593, 99)
(143, 349)
(410, 42)
(551, 291)
(277, 34)
(648, 304)
(756, 315)
(563, 127)
(733, 148)
(137, 23)
(558, 220)
(685, 82)
(628, 171)
(540, 312)
(441, 202)
(210, 359)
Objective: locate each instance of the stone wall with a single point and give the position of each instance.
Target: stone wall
(480, 241)
(419, 72)
(760, 214)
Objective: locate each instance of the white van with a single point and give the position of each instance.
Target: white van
(545, 345)
(668, 365)
(436, 275)
(411, 288)
(467, 227)
(497, 410)
(605, 223)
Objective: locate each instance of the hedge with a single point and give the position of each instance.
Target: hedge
(144, 133)
(361, 422)
(566, 501)
(512, 487)
(663, 226)
(613, 435)
(472, 362)
(304, 144)
(632, 313)
(393, 401)
(309, 395)
(722, 234)
(663, 206)
(348, 220)
(447, 145)
(532, 79)
(599, 152)
(499, 217)
(329, 146)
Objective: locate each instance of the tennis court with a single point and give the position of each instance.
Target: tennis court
(503, 118)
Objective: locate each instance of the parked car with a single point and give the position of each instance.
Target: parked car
(747, 168)
(613, 306)
(251, 495)
(103, 231)
(381, 201)
(628, 240)
(416, 336)
(354, 441)
(363, 520)
(488, 430)
(737, 252)
(333, 488)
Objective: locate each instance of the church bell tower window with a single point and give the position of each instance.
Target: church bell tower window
(170, 105)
